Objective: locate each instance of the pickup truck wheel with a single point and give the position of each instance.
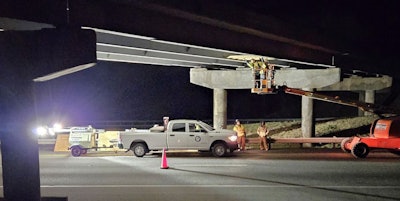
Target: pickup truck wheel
(219, 150)
(360, 150)
(343, 144)
(139, 149)
(76, 151)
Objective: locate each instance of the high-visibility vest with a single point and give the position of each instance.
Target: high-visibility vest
(262, 131)
(240, 130)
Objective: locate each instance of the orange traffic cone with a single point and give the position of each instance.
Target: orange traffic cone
(164, 163)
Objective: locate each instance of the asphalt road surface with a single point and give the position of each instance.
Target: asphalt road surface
(280, 174)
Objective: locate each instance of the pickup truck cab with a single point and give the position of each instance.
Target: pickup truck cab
(180, 134)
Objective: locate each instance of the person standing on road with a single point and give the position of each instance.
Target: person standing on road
(262, 132)
(241, 134)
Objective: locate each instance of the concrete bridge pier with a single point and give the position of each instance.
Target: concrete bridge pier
(367, 96)
(307, 118)
(306, 79)
(241, 78)
(365, 86)
(220, 108)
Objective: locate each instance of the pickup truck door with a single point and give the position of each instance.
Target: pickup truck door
(185, 136)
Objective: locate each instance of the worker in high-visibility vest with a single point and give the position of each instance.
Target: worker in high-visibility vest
(263, 72)
(262, 132)
(259, 71)
(241, 134)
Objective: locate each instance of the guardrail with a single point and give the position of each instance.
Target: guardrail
(321, 140)
(316, 140)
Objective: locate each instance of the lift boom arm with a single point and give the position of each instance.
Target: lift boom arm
(368, 107)
(264, 83)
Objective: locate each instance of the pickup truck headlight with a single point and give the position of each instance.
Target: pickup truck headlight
(232, 138)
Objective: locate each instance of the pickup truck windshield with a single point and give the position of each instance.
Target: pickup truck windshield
(206, 126)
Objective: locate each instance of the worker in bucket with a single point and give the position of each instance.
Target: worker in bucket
(255, 66)
(259, 68)
(241, 134)
(262, 132)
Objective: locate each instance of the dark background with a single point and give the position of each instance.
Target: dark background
(363, 35)
(120, 91)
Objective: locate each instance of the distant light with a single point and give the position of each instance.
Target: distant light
(41, 131)
(57, 127)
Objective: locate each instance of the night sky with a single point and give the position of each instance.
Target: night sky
(122, 91)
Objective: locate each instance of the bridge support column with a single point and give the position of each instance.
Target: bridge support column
(307, 118)
(220, 108)
(361, 98)
(367, 96)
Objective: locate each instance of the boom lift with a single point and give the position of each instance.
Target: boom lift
(384, 132)
(263, 77)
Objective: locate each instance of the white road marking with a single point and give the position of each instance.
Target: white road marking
(214, 186)
(216, 165)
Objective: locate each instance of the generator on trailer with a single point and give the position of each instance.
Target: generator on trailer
(81, 139)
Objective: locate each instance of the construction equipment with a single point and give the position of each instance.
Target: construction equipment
(367, 107)
(263, 77)
(263, 74)
(384, 132)
(82, 139)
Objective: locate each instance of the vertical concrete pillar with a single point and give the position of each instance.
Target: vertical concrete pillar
(361, 98)
(369, 98)
(307, 118)
(220, 108)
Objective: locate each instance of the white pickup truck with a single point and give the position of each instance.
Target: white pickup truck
(180, 135)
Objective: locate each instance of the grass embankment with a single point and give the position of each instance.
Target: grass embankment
(292, 129)
(343, 127)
